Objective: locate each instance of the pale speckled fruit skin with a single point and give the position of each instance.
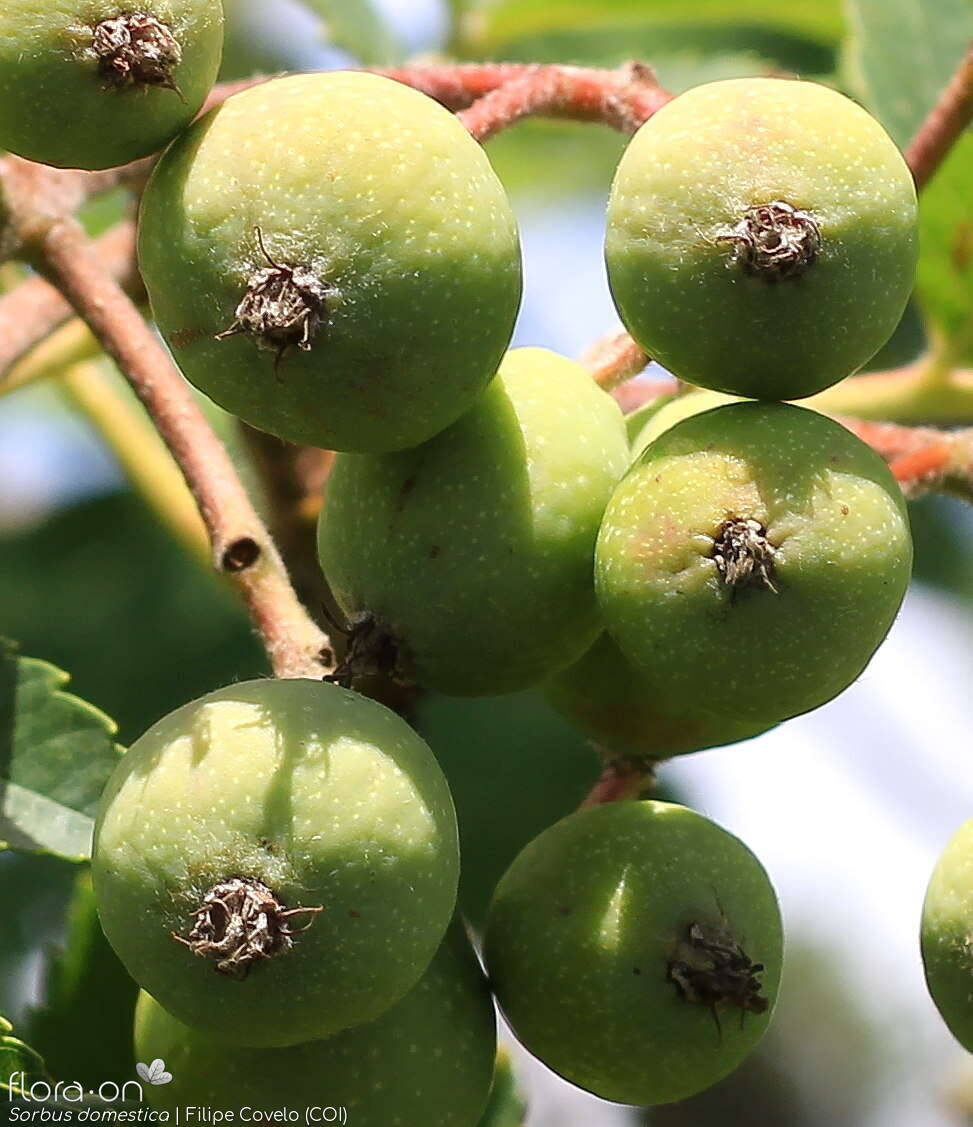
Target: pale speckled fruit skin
(690, 174)
(837, 519)
(581, 931)
(476, 548)
(428, 1060)
(947, 935)
(54, 107)
(323, 795)
(682, 407)
(605, 696)
(381, 192)
(623, 710)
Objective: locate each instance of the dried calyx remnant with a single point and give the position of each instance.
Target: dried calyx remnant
(241, 922)
(371, 650)
(743, 554)
(775, 241)
(710, 969)
(282, 307)
(137, 50)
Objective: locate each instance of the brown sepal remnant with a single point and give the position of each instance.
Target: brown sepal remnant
(137, 50)
(371, 650)
(744, 556)
(711, 969)
(282, 307)
(241, 922)
(775, 241)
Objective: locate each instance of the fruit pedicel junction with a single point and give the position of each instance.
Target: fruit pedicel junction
(288, 897)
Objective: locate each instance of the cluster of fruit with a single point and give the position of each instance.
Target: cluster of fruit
(331, 258)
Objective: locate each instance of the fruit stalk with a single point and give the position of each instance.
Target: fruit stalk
(241, 546)
(615, 359)
(951, 114)
(621, 779)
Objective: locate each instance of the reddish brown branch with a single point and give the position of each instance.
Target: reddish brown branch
(923, 459)
(944, 124)
(498, 94)
(457, 85)
(615, 359)
(623, 99)
(621, 779)
(637, 393)
(242, 547)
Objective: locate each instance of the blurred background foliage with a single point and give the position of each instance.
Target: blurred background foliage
(90, 580)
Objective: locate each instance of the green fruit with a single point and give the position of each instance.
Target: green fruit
(636, 949)
(751, 562)
(471, 556)
(682, 407)
(331, 258)
(428, 1060)
(947, 927)
(97, 83)
(761, 237)
(624, 711)
(276, 799)
(512, 753)
(638, 419)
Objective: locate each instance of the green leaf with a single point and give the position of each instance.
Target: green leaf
(356, 26)
(56, 753)
(571, 158)
(102, 589)
(15, 1058)
(740, 48)
(945, 282)
(36, 890)
(493, 24)
(943, 539)
(901, 55)
(85, 984)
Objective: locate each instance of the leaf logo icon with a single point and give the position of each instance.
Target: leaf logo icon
(154, 1073)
